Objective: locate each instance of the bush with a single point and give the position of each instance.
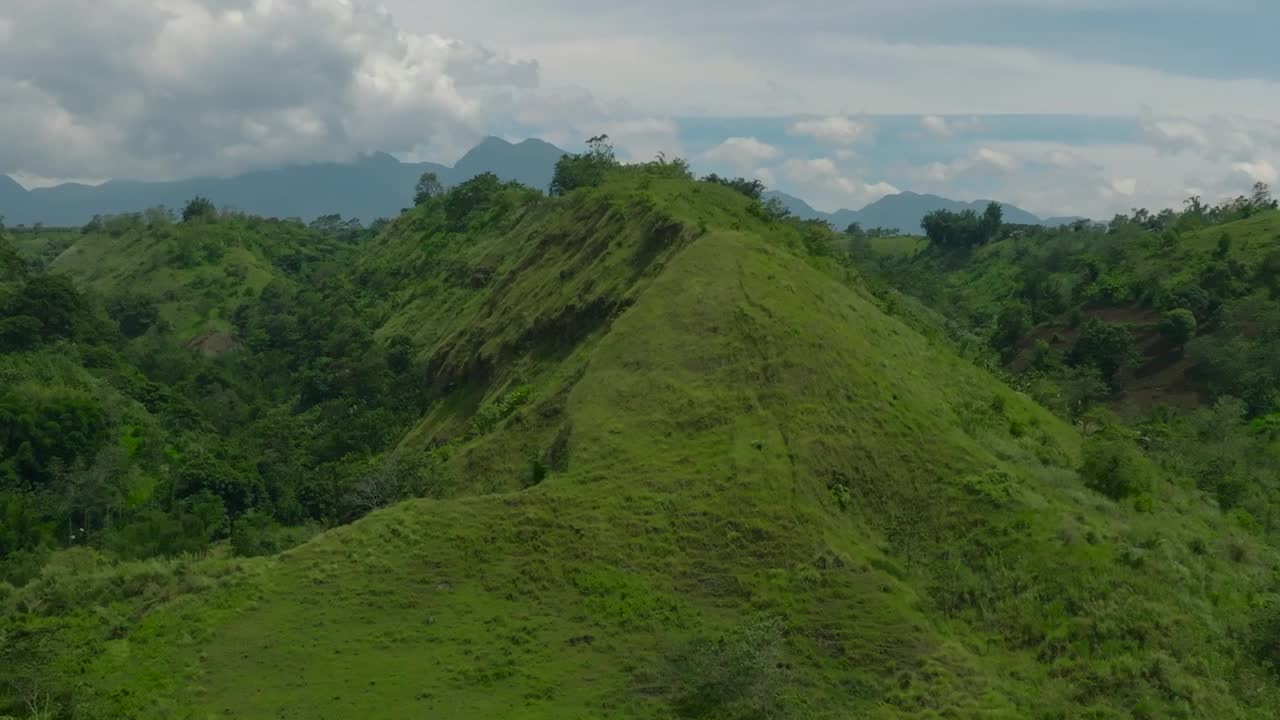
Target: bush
(740, 674)
(255, 533)
(1107, 346)
(134, 313)
(1114, 467)
(199, 209)
(1179, 326)
(588, 169)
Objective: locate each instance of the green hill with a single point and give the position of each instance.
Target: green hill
(1032, 293)
(681, 463)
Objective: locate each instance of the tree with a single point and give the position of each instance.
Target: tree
(964, 229)
(1261, 199)
(584, 170)
(11, 265)
(472, 196)
(134, 313)
(1012, 323)
(1106, 346)
(1179, 326)
(428, 187)
(751, 188)
(54, 301)
(199, 209)
(992, 221)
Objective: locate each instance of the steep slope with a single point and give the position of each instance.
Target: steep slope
(768, 498)
(1129, 276)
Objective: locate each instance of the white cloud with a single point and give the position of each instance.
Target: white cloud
(821, 182)
(1219, 136)
(1260, 171)
(817, 70)
(1067, 159)
(643, 139)
(186, 87)
(983, 159)
(766, 176)
(835, 130)
(1124, 186)
(1099, 180)
(742, 152)
(941, 127)
(996, 159)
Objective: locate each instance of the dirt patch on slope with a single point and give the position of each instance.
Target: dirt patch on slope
(213, 343)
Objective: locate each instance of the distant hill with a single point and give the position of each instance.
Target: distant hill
(371, 187)
(904, 211)
(378, 185)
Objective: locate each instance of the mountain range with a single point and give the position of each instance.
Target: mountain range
(378, 185)
(904, 211)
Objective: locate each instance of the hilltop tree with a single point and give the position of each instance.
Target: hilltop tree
(199, 209)
(585, 169)
(751, 188)
(1261, 199)
(480, 194)
(428, 187)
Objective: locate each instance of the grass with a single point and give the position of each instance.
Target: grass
(744, 435)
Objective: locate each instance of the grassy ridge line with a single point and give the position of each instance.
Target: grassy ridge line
(670, 521)
(751, 436)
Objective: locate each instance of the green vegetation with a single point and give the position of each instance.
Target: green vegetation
(647, 448)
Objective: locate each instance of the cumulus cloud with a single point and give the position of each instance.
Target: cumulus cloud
(941, 127)
(1124, 186)
(643, 139)
(1066, 159)
(168, 88)
(834, 130)
(822, 182)
(983, 159)
(1260, 171)
(1230, 136)
(742, 152)
(766, 176)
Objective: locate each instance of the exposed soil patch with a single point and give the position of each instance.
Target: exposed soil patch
(213, 343)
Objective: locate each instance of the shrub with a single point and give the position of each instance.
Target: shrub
(740, 674)
(588, 169)
(134, 313)
(255, 533)
(1179, 326)
(199, 209)
(1107, 346)
(1114, 467)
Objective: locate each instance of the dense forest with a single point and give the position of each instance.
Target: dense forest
(663, 450)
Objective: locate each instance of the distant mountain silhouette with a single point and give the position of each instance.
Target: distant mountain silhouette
(378, 185)
(373, 186)
(904, 211)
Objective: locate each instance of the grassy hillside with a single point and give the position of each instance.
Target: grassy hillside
(1033, 292)
(693, 469)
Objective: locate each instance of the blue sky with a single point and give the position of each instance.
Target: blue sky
(1082, 107)
(1062, 106)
